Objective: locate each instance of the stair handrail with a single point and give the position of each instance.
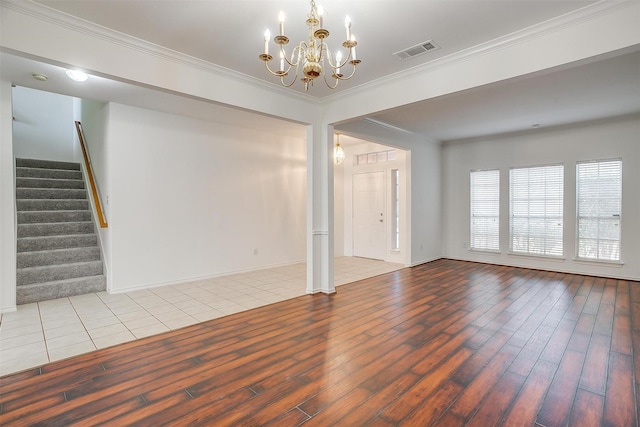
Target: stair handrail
(94, 188)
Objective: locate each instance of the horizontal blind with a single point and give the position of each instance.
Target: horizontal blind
(536, 210)
(485, 210)
(599, 205)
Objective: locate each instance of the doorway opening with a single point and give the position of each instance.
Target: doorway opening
(371, 202)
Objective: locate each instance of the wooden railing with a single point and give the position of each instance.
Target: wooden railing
(92, 182)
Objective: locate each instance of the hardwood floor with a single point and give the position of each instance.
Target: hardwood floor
(447, 343)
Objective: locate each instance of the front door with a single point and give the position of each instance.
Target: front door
(368, 215)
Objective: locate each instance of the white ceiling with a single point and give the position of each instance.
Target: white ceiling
(595, 90)
(229, 33)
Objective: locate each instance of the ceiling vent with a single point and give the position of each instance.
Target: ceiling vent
(417, 50)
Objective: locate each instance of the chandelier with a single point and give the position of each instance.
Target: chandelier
(338, 152)
(312, 55)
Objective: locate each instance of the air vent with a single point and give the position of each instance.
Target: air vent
(417, 50)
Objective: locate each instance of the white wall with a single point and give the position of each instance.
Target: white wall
(616, 138)
(7, 204)
(94, 117)
(338, 210)
(426, 200)
(43, 128)
(190, 198)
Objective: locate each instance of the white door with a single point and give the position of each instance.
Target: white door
(368, 215)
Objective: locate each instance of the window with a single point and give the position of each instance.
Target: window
(381, 156)
(395, 209)
(485, 210)
(536, 209)
(599, 205)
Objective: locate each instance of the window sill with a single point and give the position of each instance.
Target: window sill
(534, 256)
(480, 251)
(599, 262)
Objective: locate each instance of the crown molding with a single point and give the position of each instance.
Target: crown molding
(87, 28)
(524, 35)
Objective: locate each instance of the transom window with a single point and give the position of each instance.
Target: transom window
(377, 157)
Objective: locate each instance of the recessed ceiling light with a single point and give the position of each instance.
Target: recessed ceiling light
(77, 75)
(40, 77)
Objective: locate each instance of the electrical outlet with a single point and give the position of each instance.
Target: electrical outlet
(255, 251)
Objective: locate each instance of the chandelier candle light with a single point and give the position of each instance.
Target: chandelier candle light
(313, 55)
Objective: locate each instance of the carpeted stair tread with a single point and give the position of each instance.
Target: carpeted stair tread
(49, 183)
(51, 205)
(47, 164)
(50, 193)
(58, 256)
(57, 246)
(50, 273)
(26, 294)
(48, 173)
(32, 217)
(55, 228)
(64, 241)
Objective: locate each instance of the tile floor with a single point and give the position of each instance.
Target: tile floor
(47, 331)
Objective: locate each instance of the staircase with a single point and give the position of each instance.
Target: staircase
(58, 253)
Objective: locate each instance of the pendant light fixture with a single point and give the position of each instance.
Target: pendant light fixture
(311, 57)
(338, 153)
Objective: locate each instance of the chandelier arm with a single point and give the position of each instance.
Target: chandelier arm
(282, 72)
(335, 66)
(291, 62)
(347, 59)
(329, 85)
(282, 75)
(333, 75)
(295, 78)
(274, 73)
(353, 71)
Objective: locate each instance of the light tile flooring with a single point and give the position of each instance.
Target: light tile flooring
(47, 331)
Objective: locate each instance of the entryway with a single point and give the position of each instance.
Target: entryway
(372, 202)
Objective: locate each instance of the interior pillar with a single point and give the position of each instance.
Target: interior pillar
(7, 203)
(320, 209)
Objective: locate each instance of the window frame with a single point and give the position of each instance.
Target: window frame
(472, 238)
(545, 219)
(395, 209)
(598, 259)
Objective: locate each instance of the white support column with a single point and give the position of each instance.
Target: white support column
(320, 209)
(7, 203)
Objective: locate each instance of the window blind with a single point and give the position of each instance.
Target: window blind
(599, 206)
(485, 210)
(536, 210)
